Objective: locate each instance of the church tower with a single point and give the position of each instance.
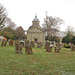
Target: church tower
(35, 32)
(36, 21)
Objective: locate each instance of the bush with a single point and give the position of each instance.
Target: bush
(66, 46)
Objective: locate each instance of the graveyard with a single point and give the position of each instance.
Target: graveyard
(40, 62)
(36, 49)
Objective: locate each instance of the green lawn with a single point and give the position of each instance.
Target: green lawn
(39, 63)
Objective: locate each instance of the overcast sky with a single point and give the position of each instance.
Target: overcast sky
(22, 12)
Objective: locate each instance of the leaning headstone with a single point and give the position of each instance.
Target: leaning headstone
(11, 43)
(72, 47)
(57, 48)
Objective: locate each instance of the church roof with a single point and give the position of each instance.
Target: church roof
(35, 19)
(32, 27)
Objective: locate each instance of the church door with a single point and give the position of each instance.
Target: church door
(35, 40)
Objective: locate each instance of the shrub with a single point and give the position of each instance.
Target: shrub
(67, 46)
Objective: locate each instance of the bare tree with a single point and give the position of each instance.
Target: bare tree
(70, 30)
(2, 17)
(51, 25)
(10, 24)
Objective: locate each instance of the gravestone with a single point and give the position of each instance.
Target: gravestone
(32, 44)
(3, 44)
(63, 44)
(48, 49)
(47, 44)
(52, 42)
(72, 47)
(11, 43)
(39, 44)
(28, 50)
(18, 47)
(26, 43)
(57, 48)
(22, 43)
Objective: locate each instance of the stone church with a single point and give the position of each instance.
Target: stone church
(35, 32)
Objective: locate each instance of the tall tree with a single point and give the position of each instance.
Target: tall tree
(2, 16)
(8, 33)
(10, 24)
(19, 32)
(69, 30)
(51, 25)
(8, 30)
(69, 34)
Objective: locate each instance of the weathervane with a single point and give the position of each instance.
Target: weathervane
(46, 13)
(36, 15)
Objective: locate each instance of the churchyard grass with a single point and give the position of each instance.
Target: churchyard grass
(39, 63)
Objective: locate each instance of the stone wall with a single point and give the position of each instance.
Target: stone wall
(39, 35)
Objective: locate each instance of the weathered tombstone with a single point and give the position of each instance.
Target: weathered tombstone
(57, 48)
(72, 47)
(52, 42)
(4, 42)
(22, 43)
(63, 44)
(32, 44)
(39, 44)
(18, 47)
(49, 49)
(47, 45)
(69, 44)
(28, 50)
(26, 43)
(11, 43)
